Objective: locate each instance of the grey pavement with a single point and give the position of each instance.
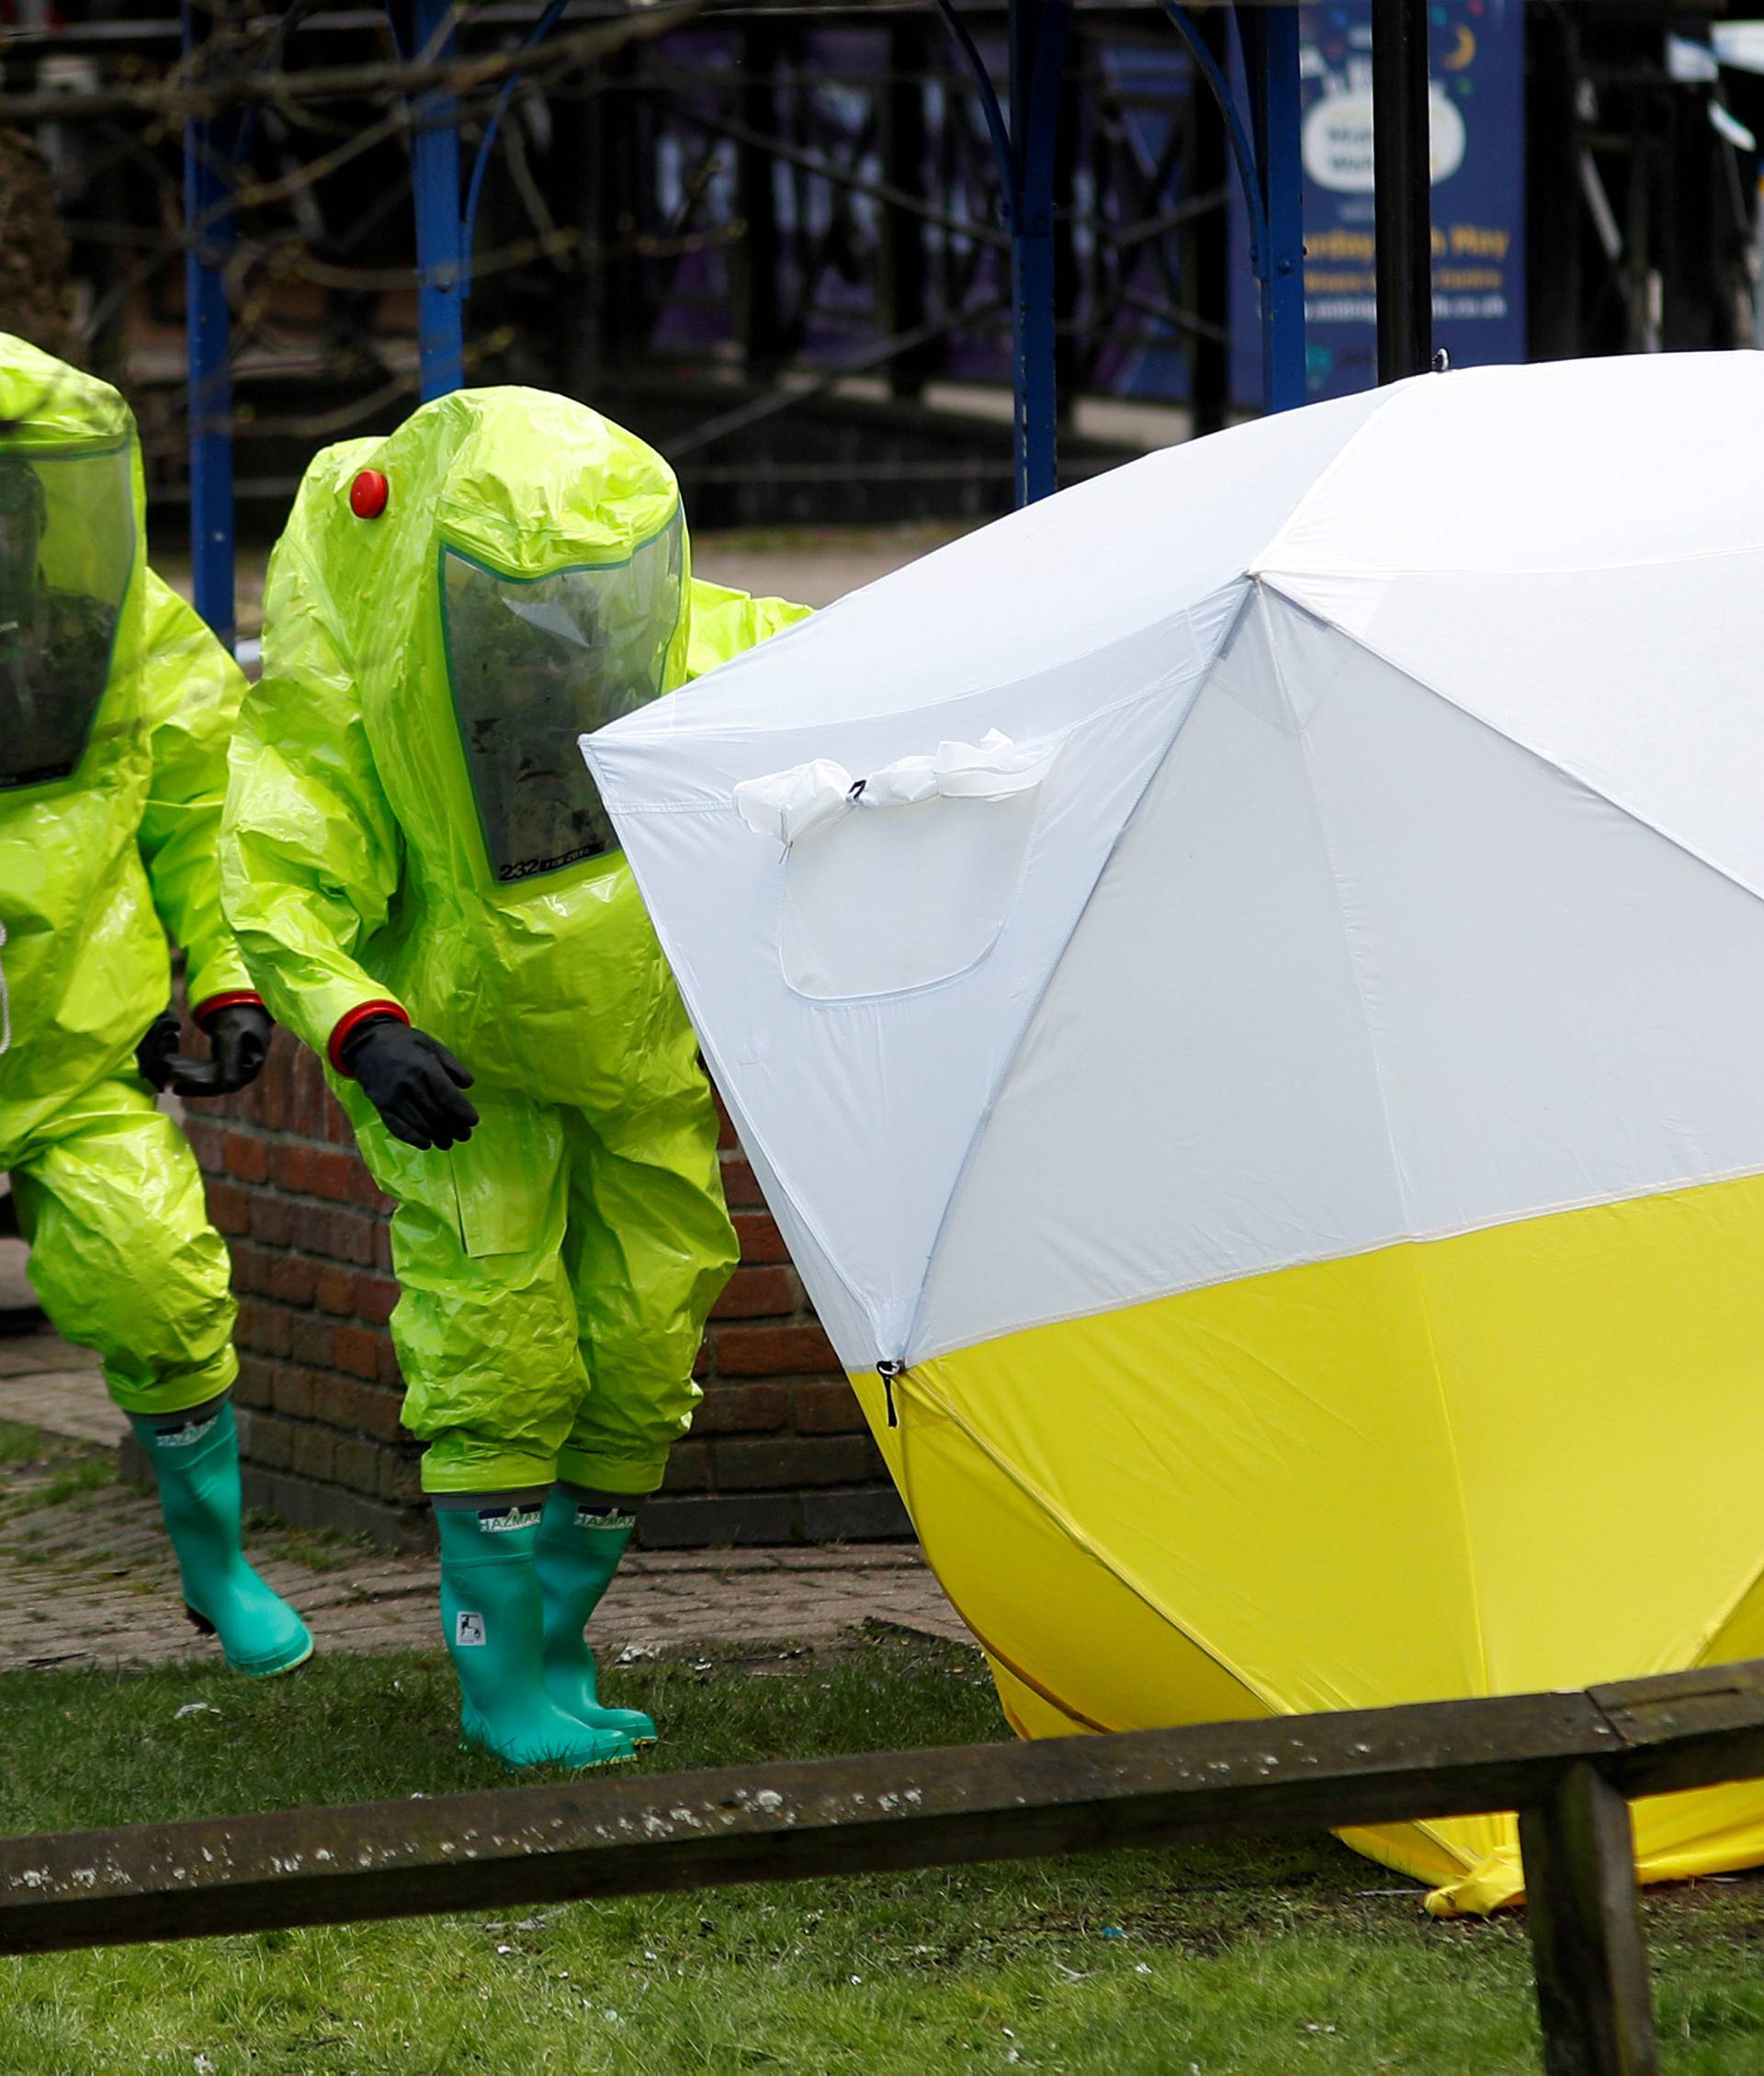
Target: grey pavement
(86, 1578)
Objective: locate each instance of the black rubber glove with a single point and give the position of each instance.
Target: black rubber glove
(239, 1041)
(412, 1081)
(158, 1049)
(238, 1044)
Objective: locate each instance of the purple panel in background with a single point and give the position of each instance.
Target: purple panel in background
(695, 203)
(1152, 82)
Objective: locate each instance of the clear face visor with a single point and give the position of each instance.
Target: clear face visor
(67, 546)
(535, 663)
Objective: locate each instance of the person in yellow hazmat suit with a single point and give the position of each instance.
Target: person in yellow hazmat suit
(116, 703)
(427, 890)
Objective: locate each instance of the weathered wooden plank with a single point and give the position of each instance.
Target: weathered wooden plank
(624, 1834)
(1593, 1997)
(1687, 1730)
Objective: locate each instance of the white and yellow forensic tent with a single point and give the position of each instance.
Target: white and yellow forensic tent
(1244, 982)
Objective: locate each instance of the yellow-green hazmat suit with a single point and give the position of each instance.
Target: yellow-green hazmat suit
(116, 704)
(411, 827)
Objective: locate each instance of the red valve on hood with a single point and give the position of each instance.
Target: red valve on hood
(368, 494)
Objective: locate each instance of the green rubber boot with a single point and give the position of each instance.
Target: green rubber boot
(581, 1542)
(495, 1636)
(195, 1462)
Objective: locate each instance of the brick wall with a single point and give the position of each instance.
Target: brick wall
(778, 1453)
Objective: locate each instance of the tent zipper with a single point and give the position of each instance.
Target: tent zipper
(888, 1370)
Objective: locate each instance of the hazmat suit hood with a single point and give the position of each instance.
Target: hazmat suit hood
(449, 610)
(115, 705)
(68, 534)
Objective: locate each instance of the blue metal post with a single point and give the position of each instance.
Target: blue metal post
(1037, 57)
(435, 171)
(1270, 43)
(209, 147)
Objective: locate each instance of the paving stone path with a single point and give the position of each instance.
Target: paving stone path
(87, 1579)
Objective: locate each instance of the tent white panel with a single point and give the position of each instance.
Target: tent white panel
(1565, 1005)
(858, 1101)
(1565, 466)
(1643, 682)
(1197, 1100)
(1064, 583)
(1391, 975)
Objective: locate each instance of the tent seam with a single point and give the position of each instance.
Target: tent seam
(867, 1005)
(1539, 756)
(1326, 570)
(1729, 1609)
(1014, 1052)
(1166, 1295)
(1314, 490)
(624, 736)
(1320, 824)
(1080, 1541)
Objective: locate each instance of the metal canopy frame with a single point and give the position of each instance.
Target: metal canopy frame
(1024, 129)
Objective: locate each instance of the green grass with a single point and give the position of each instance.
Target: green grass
(23, 1445)
(1289, 1955)
(68, 1470)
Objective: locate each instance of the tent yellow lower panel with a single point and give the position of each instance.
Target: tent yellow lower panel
(1526, 1456)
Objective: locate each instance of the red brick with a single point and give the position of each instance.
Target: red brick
(401, 1479)
(312, 1341)
(827, 1409)
(333, 1174)
(269, 1442)
(314, 1453)
(376, 1411)
(333, 1400)
(358, 1351)
(337, 1234)
(758, 1293)
(255, 1376)
(264, 1328)
(363, 1189)
(335, 1125)
(380, 1254)
(254, 1268)
(208, 1141)
(761, 1240)
(390, 1372)
(293, 1279)
(688, 1468)
(229, 1207)
(291, 1392)
(270, 1088)
(772, 1351)
(272, 1220)
(338, 1401)
(740, 1186)
(375, 1297)
(780, 1464)
(309, 1095)
(333, 1288)
(735, 1409)
(358, 1465)
(247, 1159)
(725, 1138)
(290, 1166)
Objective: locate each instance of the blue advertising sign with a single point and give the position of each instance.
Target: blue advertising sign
(1477, 61)
(1477, 64)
